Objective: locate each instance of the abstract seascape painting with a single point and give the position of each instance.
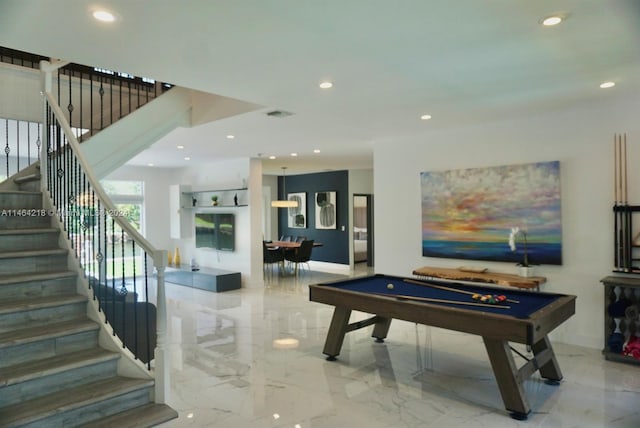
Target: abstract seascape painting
(469, 213)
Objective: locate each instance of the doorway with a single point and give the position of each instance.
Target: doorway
(362, 232)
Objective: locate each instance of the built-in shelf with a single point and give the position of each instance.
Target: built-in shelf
(620, 325)
(227, 198)
(182, 209)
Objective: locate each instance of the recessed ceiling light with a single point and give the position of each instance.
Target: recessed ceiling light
(187, 158)
(150, 164)
(104, 16)
(294, 154)
(316, 151)
(180, 146)
(272, 157)
(606, 85)
(325, 85)
(230, 137)
(550, 21)
(425, 117)
(553, 19)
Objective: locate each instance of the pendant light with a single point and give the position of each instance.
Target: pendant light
(284, 203)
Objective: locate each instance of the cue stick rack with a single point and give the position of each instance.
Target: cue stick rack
(625, 261)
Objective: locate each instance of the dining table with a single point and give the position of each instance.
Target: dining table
(289, 244)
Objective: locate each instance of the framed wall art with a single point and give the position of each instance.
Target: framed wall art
(470, 213)
(325, 210)
(297, 217)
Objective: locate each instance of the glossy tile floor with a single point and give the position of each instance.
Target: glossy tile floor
(253, 358)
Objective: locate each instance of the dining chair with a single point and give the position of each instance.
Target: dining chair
(270, 257)
(301, 255)
(301, 238)
(285, 238)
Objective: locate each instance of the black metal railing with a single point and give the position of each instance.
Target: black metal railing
(116, 266)
(95, 98)
(22, 142)
(92, 98)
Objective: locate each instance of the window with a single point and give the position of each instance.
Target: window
(128, 198)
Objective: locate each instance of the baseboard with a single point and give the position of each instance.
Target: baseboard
(330, 267)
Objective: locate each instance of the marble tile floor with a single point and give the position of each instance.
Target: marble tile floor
(253, 358)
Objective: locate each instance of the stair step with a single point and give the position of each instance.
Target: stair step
(24, 261)
(29, 277)
(19, 200)
(28, 239)
(149, 415)
(78, 405)
(31, 231)
(43, 341)
(15, 313)
(29, 284)
(26, 381)
(19, 305)
(27, 178)
(20, 221)
(32, 253)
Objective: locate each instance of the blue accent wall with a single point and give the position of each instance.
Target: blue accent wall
(335, 242)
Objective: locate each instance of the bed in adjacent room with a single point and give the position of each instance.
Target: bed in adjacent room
(359, 244)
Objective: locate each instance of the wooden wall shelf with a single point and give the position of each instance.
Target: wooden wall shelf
(504, 279)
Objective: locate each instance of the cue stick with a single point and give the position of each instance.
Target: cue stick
(626, 201)
(616, 216)
(452, 302)
(615, 170)
(455, 290)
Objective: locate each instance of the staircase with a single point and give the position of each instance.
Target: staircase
(53, 372)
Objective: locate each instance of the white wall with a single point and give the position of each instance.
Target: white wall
(580, 138)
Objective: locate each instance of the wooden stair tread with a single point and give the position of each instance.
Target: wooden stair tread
(39, 332)
(29, 303)
(34, 369)
(29, 231)
(26, 277)
(148, 415)
(19, 192)
(39, 408)
(27, 178)
(29, 253)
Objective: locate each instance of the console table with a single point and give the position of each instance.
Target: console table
(504, 279)
(205, 278)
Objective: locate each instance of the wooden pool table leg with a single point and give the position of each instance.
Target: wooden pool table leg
(549, 369)
(337, 329)
(381, 329)
(508, 378)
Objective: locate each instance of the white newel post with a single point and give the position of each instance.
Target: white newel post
(44, 144)
(162, 369)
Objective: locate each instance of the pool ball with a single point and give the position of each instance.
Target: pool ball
(390, 286)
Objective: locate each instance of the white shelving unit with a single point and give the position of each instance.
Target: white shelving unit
(227, 198)
(182, 206)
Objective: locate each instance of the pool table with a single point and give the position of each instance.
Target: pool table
(525, 317)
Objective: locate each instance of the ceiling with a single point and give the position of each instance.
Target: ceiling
(462, 62)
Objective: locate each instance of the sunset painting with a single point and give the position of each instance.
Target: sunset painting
(469, 213)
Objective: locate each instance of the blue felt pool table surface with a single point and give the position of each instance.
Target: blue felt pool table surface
(528, 302)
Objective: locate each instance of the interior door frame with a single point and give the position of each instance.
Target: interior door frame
(370, 226)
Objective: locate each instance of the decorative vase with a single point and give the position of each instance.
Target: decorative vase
(169, 258)
(525, 271)
(176, 257)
